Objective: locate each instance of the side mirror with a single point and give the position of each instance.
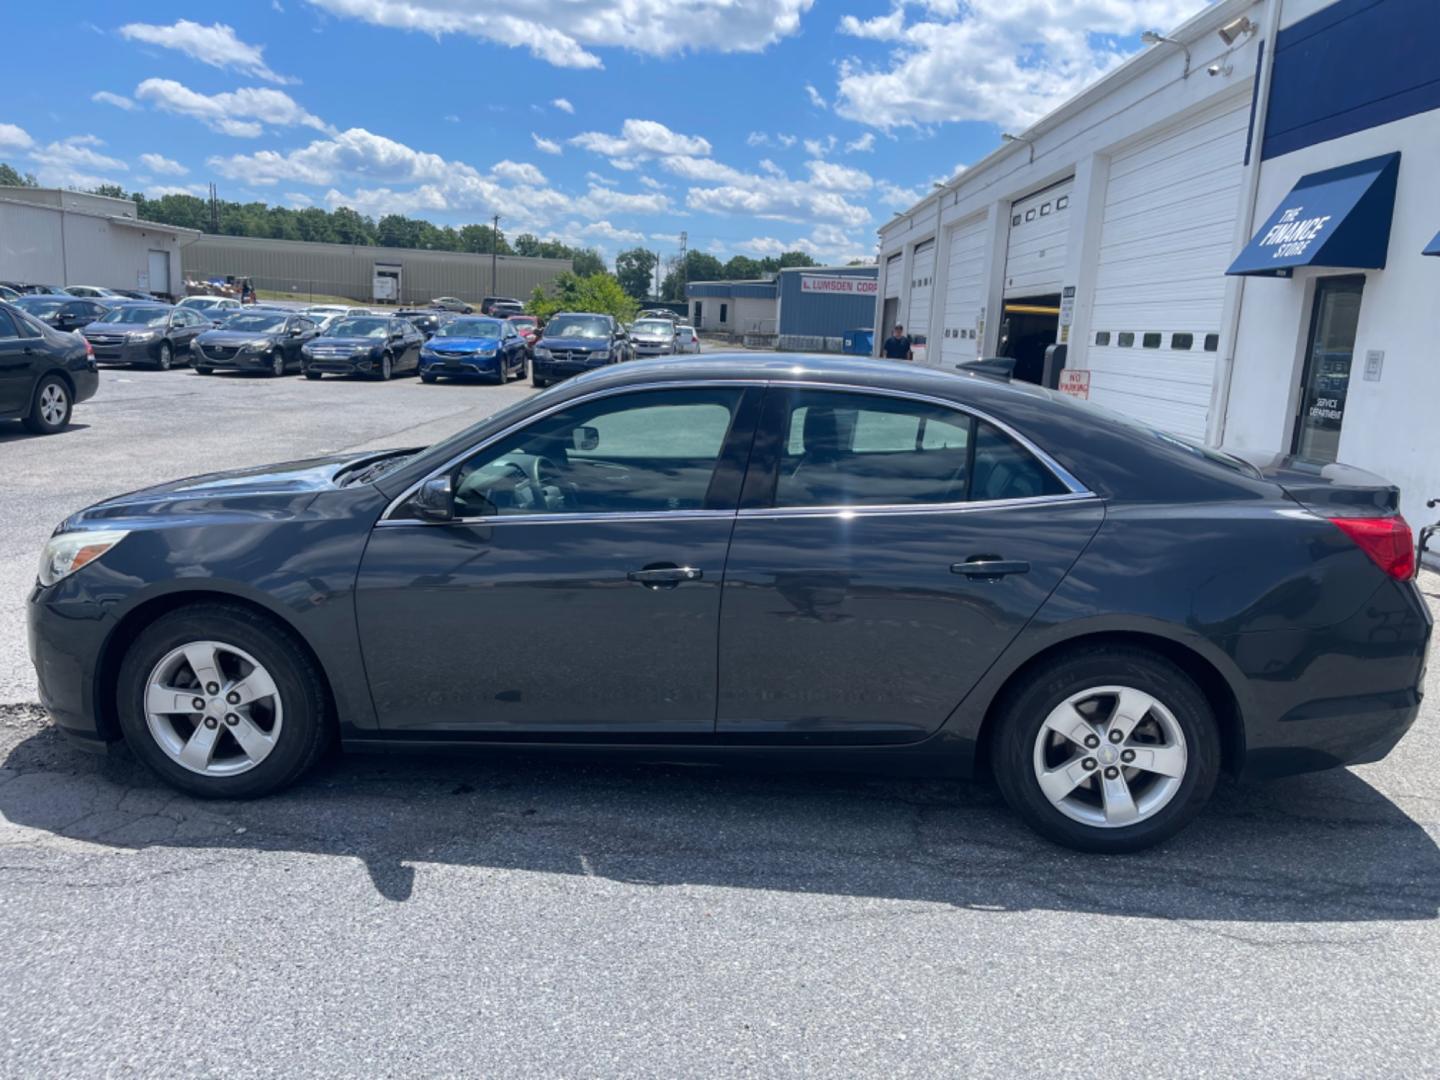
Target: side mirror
(585, 438)
(435, 501)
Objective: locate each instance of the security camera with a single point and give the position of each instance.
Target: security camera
(1234, 30)
(1219, 69)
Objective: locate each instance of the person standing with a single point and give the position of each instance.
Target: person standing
(898, 345)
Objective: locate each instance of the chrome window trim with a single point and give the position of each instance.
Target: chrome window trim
(1076, 490)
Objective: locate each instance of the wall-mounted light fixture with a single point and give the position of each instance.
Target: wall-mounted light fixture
(1154, 37)
(1007, 137)
(1234, 30)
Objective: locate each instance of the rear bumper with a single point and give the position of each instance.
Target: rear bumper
(87, 383)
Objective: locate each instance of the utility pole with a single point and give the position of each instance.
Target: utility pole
(657, 275)
(494, 255)
(684, 267)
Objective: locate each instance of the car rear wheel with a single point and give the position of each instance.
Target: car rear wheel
(538, 382)
(221, 702)
(1107, 750)
(165, 358)
(50, 411)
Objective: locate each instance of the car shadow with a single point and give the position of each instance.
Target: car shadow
(14, 431)
(1320, 848)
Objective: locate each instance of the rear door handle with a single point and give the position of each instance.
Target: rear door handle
(990, 568)
(664, 576)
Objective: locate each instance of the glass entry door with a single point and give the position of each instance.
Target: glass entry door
(1328, 357)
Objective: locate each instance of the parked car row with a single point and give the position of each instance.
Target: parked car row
(43, 371)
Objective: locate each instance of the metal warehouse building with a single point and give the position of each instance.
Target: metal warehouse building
(808, 308)
(368, 274)
(818, 305)
(1228, 235)
(56, 237)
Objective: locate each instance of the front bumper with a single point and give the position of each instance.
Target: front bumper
(563, 369)
(466, 364)
(65, 639)
(125, 353)
(240, 361)
(340, 365)
(641, 349)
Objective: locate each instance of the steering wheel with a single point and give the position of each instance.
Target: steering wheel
(544, 472)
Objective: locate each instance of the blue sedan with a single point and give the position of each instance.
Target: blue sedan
(466, 347)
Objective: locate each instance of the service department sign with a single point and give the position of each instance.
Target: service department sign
(839, 284)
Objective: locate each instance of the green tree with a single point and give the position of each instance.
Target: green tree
(10, 177)
(635, 270)
(481, 240)
(698, 266)
(352, 227)
(741, 268)
(598, 293)
(588, 261)
(796, 258)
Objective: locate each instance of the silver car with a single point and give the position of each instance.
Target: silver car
(686, 340)
(655, 337)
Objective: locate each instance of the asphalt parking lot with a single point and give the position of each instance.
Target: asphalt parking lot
(510, 915)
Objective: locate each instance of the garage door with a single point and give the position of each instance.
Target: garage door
(1035, 251)
(922, 287)
(964, 292)
(893, 266)
(1168, 226)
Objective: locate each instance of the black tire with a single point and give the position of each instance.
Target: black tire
(387, 368)
(313, 375)
(1024, 712)
(50, 392)
(537, 382)
(204, 370)
(427, 378)
(165, 357)
(306, 731)
(277, 365)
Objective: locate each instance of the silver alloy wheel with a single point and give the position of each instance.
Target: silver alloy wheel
(166, 356)
(277, 364)
(1110, 756)
(54, 404)
(213, 709)
(385, 368)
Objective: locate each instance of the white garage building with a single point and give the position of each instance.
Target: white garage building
(1216, 232)
(56, 237)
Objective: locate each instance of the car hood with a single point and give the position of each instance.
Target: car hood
(108, 329)
(268, 491)
(351, 344)
(236, 337)
(573, 343)
(463, 344)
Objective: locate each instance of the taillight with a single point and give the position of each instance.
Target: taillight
(1386, 540)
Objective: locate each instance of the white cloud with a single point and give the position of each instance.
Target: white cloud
(642, 139)
(451, 118)
(546, 146)
(562, 33)
(158, 163)
(702, 168)
(880, 28)
(519, 173)
(757, 138)
(652, 183)
(215, 45)
(820, 147)
(825, 242)
(299, 199)
(863, 145)
(105, 97)
(159, 191)
(816, 98)
(356, 152)
(830, 176)
(13, 137)
(786, 141)
(563, 105)
(1007, 62)
(75, 162)
(610, 232)
(242, 113)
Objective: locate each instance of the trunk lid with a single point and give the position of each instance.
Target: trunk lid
(1334, 490)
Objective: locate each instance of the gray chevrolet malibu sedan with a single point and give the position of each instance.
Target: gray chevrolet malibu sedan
(812, 560)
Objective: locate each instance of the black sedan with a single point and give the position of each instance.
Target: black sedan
(932, 572)
(150, 335)
(65, 312)
(43, 372)
(375, 345)
(426, 320)
(255, 340)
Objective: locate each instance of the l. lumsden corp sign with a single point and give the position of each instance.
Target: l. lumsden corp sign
(844, 284)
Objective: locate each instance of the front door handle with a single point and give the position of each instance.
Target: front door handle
(664, 575)
(985, 567)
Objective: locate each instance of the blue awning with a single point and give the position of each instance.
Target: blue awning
(1434, 246)
(1336, 218)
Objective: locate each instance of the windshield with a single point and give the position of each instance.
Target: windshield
(581, 326)
(38, 305)
(359, 328)
(255, 322)
(201, 301)
(654, 326)
(470, 328)
(525, 320)
(147, 316)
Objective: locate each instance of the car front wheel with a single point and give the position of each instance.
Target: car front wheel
(1107, 750)
(165, 357)
(221, 702)
(277, 365)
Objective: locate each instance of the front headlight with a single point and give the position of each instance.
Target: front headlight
(542, 353)
(600, 354)
(67, 552)
(142, 335)
(257, 346)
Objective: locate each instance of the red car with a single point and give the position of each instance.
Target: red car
(528, 327)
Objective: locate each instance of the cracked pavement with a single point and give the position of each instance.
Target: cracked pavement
(509, 914)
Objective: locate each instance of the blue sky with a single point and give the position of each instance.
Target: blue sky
(755, 126)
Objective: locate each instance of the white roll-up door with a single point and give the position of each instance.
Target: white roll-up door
(922, 288)
(964, 292)
(1035, 250)
(894, 265)
(1168, 226)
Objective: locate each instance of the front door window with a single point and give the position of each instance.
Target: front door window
(1326, 381)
